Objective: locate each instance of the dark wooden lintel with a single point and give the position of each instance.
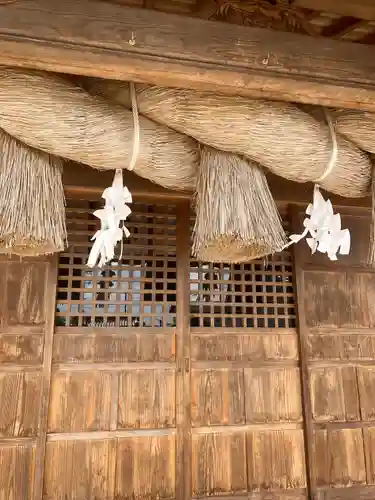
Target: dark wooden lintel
(113, 41)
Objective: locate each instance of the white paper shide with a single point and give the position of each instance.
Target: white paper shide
(112, 218)
(324, 229)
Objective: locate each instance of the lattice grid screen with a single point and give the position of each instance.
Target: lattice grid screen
(255, 295)
(140, 290)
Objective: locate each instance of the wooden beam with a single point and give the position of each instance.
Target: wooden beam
(342, 26)
(368, 39)
(361, 9)
(112, 41)
(88, 183)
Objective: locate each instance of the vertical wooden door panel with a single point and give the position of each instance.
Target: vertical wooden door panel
(28, 293)
(147, 399)
(337, 335)
(146, 467)
(19, 409)
(219, 463)
(114, 420)
(80, 401)
(276, 461)
(246, 410)
(17, 466)
(79, 469)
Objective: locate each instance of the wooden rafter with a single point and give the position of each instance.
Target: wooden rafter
(342, 26)
(368, 39)
(360, 9)
(112, 41)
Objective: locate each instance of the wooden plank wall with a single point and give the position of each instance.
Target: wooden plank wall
(208, 406)
(246, 411)
(27, 295)
(337, 327)
(113, 413)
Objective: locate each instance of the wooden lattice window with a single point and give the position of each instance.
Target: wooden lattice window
(258, 294)
(140, 289)
(137, 291)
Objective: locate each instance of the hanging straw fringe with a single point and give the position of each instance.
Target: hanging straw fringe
(237, 219)
(32, 203)
(62, 119)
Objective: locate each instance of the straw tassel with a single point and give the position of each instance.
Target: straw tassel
(32, 202)
(237, 218)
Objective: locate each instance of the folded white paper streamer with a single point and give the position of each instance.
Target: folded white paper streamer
(112, 218)
(324, 227)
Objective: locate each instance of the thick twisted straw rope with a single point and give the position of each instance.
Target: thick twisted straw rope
(279, 136)
(49, 113)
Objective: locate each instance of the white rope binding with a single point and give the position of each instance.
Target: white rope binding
(324, 227)
(334, 152)
(115, 212)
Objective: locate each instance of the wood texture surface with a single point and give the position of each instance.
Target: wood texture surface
(168, 405)
(113, 41)
(167, 378)
(336, 321)
(360, 9)
(87, 183)
(27, 323)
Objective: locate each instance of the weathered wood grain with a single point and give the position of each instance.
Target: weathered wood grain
(334, 394)
(366, 391)
(369, 447)
(16, 472)
(21, 349)
(26, 293)
(329, 345)
(337, 319)
(85, 182)
(80, 401)
(274, 472)
(146, 467)
(49, 287)
(3, 296)
(80, 469)
(117, 348)
(211, 475)
(113, 41)
(360, 9)
(357, 492)
(359, 225)
(147, 399)
(217, 397)
(243, 347)
(19, 404)
(339, 458)
(340, 299)
(183, 355)
(273, 395)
